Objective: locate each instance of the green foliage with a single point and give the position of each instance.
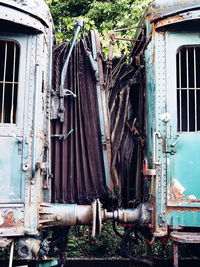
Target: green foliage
(104, 15)
(81, 244)
(108, 244)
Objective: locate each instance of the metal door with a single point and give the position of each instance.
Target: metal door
(183, 123)
(12, 92)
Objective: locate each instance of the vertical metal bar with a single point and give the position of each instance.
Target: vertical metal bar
(180, 99)
(187, 67)
(13, 84)
(188, 111)
(180, 92)
(4, 79)
(187, 75)
(11, 255)
(195, 109)
(175, 245)
(180, 82)
(195, 90)
(195, 70)
(35, 119)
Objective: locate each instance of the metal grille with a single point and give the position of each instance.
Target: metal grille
(9, 68)
(188, 89)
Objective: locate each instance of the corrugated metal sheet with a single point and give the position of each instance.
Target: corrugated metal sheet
(77, 161)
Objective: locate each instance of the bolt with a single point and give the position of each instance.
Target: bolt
(59, 218)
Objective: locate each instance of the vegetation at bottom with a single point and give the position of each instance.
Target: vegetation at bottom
(103, 15)
(80, 244)
(108, 244)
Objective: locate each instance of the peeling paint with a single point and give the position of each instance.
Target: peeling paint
(11, 218)
(176, 191)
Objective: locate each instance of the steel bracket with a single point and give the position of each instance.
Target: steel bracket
(63, 136)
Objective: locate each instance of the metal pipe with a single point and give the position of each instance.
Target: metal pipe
(11, 255)
(35, 120)
(65, 215)
(79, 24)
(129, 28)
(139, 215)
(51, 215)
(126, 39)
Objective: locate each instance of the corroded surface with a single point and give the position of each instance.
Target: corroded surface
(162, 8)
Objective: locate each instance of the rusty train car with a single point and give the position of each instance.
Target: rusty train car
(85, 141)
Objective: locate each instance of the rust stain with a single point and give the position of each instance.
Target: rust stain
(157, 17)
(157, 31)
(182, 209)
(168, 21)
(9, 220)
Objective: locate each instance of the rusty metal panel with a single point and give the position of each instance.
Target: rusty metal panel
(123, 87)
(162, 8)
(11, 219)
(77, 158)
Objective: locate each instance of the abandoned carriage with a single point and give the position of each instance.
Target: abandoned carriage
(84, 141)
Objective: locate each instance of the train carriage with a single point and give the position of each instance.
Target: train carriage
(99, 141)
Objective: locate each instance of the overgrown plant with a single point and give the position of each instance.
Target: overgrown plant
(104, 15)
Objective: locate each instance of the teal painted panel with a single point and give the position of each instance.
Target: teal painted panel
(49, 263)
(10, 170)
(185, 164)
(184, 219)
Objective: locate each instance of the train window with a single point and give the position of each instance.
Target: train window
(9, 69)
(188, 89)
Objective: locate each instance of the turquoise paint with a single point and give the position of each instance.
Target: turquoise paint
(12, 177)
(10, 170)
(155, 97)
(49, 263)
(178, 219)
(150, 99)
(184, 165)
